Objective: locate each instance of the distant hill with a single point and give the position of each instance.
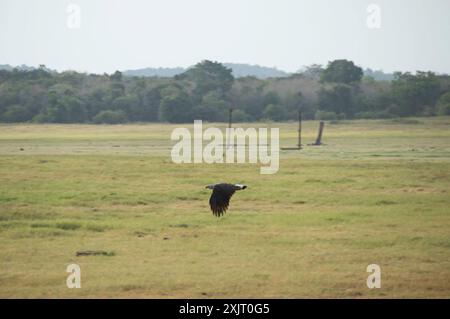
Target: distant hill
(239, 70)
(242, 70)
(159, 72)
(379, 75)
(262, 72)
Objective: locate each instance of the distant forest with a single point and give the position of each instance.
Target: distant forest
(340, 90)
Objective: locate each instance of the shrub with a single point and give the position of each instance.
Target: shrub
(405, 121)
(274, 112)
(176, 108)
(326, 116)
(374, 115)
(443, 104)
(41, 118)
(110, 117)
(16, 113)
(428, 111)
(240, 116)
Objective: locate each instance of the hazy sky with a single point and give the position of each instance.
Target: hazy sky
(287, 34)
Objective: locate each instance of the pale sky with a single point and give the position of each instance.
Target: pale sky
(287, 34)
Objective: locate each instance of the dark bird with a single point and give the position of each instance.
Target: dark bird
(220, 197)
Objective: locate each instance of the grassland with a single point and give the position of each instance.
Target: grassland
(377, 192)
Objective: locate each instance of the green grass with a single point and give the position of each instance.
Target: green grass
(377, 192)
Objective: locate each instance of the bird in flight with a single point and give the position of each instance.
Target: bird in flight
(220, 197)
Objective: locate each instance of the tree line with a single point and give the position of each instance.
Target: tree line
(208, 90)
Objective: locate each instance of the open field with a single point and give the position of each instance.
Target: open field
(377, 192)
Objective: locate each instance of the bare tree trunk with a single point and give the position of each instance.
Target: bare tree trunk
(299, 129)
(319, 135)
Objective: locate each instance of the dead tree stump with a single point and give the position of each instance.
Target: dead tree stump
(319, 135)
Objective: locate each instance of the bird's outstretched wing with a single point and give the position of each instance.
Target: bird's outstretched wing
(220, 198)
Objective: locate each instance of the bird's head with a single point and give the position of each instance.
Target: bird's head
(210, 186)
